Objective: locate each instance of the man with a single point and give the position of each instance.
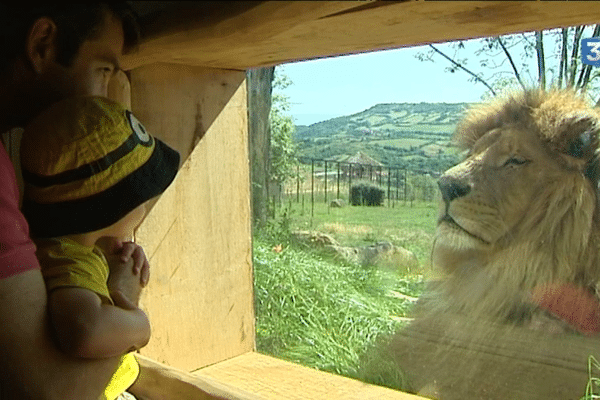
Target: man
(48, 53)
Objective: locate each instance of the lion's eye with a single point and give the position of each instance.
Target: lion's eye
(516, 160)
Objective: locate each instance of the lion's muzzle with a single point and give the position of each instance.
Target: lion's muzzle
(452, 188)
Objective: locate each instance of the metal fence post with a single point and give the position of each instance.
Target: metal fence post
(338, 180)
(389, 186)
(312, 188)
(325, 177)
(298, 183)
(349, 182)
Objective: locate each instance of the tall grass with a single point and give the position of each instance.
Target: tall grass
(328, 315)
(592, 391)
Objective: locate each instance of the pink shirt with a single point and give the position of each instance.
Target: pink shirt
(17, 251)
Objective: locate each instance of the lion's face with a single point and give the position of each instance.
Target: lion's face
(517, 196)
(488, 194)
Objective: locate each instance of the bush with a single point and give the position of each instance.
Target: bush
(356, 195)
(364, 194)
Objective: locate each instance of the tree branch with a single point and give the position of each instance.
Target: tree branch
(562, 69)
(539, 50)
(510, 60)
(584, 76)
(574, 55)
(458, 65)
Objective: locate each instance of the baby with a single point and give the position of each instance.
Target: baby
(89, 167)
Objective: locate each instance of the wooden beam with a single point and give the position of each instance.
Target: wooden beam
(274, 379)
(181, 34)
(275, 32)
(160, 381)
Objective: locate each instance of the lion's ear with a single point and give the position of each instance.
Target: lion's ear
(580, 140)
(579, 137)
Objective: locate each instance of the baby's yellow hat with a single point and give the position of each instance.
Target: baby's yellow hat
(87, 162)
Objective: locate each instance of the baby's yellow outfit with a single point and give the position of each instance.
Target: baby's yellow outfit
(66, 263)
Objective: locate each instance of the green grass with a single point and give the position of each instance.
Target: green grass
(333, 315)
(406, 225)
(328, 315)
(592, 391)
(401, 143)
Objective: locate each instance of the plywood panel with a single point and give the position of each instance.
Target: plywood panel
(197, 236)
(275, 32)
(274, 379)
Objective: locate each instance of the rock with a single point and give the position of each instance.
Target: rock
(382, 254)
(337, 203)
(315, 238)
(396, 258)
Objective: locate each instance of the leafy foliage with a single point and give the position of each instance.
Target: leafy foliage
(283, 148)
(364, 194)
(549, 58)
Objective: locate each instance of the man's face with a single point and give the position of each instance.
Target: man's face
(92, 68)
(94, 65)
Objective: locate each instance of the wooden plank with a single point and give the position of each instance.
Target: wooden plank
(180, 33)
(276, 32)
(180, 103)
(197, 236)
(452, 357)
(274, 379)
(159, 381)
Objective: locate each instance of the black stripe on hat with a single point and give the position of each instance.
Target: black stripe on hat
(87, 170)
(105, 208)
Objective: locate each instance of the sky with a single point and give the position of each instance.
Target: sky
(332, 87)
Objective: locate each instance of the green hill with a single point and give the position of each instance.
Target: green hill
(407, 135)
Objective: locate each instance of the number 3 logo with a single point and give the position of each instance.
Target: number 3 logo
(590, 51)
(593, 47)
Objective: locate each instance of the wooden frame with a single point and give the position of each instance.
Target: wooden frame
(186, 83)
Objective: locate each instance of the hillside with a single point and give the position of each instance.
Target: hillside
(407, 135)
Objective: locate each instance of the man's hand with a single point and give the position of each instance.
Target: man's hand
(129, 268)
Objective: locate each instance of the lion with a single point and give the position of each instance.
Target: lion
(521, 210)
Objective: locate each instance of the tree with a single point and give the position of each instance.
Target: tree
(283, 160)
(259, 83)
(521, 60)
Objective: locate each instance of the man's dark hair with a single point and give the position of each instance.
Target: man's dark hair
(76, 23)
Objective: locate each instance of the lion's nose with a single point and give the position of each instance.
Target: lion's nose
(452, 188)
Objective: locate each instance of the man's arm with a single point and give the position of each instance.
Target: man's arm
(86, 327)
(31, 364)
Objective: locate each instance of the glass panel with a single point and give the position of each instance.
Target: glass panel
(485, 289)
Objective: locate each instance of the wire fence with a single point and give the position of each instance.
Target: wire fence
(331, 182)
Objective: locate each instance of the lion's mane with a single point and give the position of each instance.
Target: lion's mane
(522, 209)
